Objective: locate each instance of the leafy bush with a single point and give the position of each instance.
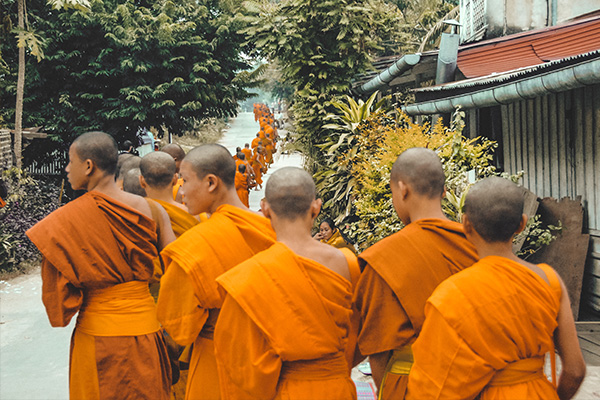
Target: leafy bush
(29, 201)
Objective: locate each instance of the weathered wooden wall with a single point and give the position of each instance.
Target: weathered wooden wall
(555, 139)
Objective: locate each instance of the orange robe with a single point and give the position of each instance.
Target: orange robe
(486, 333)
(257, 168)
(400, 274)
(176, 187)
(283, 329)
(241, 187)
(189, 298)
(97, 261)
(254, 143)
(247, 153)
(337, 240)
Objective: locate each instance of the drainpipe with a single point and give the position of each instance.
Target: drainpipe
(447, 59)
(554, 11)
(384, 78)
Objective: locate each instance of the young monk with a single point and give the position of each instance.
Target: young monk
(131, 182)
(158, 176)
(189, 298)
(247, 151)
(255, 141)
(283, 328)
(127, 164)
(241, 184)
(488, 327)
(401, 271)
(177, 152)
(97, 260)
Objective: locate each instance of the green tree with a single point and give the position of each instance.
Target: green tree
(130, 64)
(320, 46)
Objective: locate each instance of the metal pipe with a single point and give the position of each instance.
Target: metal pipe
(384, 78)
(584, 74)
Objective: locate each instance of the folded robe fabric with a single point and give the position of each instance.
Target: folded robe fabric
(190, 299)
(400, 274)
(486, 333)
(283, 330)
(97, 260)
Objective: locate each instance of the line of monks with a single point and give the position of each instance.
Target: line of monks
(254, 160)
(261, 310)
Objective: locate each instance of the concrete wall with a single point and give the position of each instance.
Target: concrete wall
(6, 158)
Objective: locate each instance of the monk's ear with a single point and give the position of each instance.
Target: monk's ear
(89, 166)
(265, 208)
(403, 189)
(175, 179)
(315, 208)
(212, 181)
(143, 183)
(467, 226)
(522, 224)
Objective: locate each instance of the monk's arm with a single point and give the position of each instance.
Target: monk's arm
(384, 325)
(248, 366)
(60, 297)
(177, 308)
(567, 344)
(166, 230)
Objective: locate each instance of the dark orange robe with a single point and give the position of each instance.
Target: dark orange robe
(257, 168)
(241, 187)
(189, 298)
(283, 329)
(401, 271)
(486, 333)
(97, 261)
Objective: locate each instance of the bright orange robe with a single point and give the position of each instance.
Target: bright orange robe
(176, 187)
(189, 298)
(283, 329)
(98, 256)
(254, 143)
(241, 187)
(256, 167)
(247, 153)
(486, 333)
(400, 274)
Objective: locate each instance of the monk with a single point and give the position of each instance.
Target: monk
(129, 162)
(257, 166)
(247, 151)
(241, 184)
(401, 271)
(283, 328)
(189, 300)
(255, 141)
(487, 328)
(131, 182)
(97, 260)
(177, 152)
(158, 176)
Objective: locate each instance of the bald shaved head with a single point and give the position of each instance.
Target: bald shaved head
(290, 192)
(129, 164)
(494, 206)
(212, 159)
(422, 169)
(99, 147)
(131, 182)
(158, 169)
(174, 150)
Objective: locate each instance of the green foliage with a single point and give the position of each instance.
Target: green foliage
(29, 200)
(536, 235)
(127, 64)
(319, 46)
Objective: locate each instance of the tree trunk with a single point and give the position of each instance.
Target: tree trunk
(20, 89)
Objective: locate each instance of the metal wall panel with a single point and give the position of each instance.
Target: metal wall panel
(555, 140)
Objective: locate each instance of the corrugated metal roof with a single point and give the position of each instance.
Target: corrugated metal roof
(529, 48)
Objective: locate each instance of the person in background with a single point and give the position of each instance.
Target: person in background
(330, 234)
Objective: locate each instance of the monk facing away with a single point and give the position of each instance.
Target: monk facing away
(402, 270)
(189, 299)
(97, 260)
(488, 327)
(283, 328)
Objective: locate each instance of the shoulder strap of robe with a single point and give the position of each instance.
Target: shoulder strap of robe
(552, 276)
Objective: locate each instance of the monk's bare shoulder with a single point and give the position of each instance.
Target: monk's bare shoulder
(134, 201)
(331, 258)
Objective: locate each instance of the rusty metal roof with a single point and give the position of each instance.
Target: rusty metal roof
(529, 48)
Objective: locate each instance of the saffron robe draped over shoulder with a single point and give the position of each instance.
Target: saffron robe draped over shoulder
(97, 261)
(401, 271)
(284, 329)
(190, 299)
(241, 187)
(486, 333)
